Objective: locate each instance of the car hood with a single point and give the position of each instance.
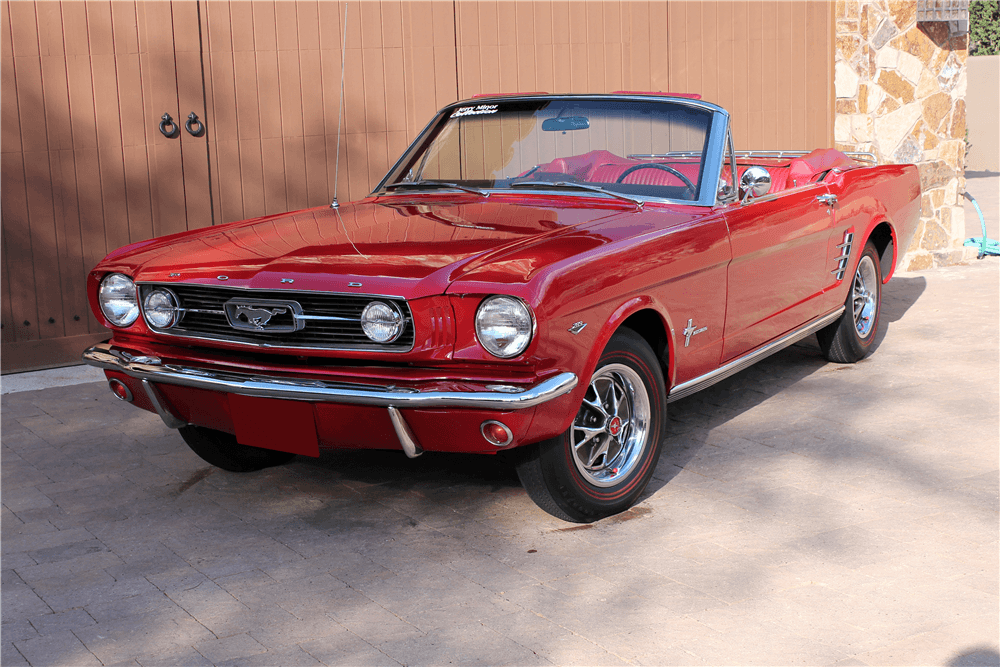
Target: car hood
(402, 246)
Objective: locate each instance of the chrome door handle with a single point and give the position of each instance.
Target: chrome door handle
(829, 200)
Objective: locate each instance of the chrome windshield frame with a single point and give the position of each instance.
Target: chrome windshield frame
(713, 160)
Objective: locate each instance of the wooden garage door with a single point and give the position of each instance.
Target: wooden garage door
(87, 169)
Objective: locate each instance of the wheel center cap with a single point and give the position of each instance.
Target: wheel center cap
(615, 426)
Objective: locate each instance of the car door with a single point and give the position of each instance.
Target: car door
(778, 271)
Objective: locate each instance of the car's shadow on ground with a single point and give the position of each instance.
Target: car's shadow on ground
(691, 420)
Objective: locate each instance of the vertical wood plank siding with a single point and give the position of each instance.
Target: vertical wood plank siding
(85, 168)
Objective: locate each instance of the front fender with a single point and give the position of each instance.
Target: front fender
(600, 340)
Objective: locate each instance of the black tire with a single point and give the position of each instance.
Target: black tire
(850, 338)
(221, 450)
(554, 472)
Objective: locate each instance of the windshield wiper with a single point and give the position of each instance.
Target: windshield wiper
(577, 186)
(436, 184)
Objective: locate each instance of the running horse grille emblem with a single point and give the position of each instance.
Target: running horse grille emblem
(259, 317)
(265, 315)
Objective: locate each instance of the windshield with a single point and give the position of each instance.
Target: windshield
(644, 148)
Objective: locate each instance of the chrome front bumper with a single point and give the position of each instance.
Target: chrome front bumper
(152, 370)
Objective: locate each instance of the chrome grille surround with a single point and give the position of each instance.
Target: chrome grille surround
(322, 320)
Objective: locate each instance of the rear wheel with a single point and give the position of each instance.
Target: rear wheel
(850, 338)
(602, 463)
(221, 450)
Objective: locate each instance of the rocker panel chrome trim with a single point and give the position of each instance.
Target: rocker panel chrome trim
(747, 360)
(104, 355)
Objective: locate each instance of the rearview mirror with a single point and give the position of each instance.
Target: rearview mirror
(565, 123)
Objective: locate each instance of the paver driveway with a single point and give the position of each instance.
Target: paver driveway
(802, 513)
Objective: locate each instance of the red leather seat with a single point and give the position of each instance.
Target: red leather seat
(805, 169)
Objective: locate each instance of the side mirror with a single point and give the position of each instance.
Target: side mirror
(756, 181)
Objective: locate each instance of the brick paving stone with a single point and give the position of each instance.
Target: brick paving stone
(61, 648)
(235, 646)
(802, 513)
(347, 649)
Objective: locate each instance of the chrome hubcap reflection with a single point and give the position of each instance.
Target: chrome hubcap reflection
(610, 431)
(865, 297)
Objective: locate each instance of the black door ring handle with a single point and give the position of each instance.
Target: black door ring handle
(165, 122)
(192, 119)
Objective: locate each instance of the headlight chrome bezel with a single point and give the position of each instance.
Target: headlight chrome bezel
(487, 344)
(127, 294)
(174, 308)
(397, 320)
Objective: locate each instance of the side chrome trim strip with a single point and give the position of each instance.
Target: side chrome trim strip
(104, 355)
(411, 447)
(737, 365)
(160, 405)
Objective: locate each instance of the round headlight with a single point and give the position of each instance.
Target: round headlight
(503, 326)
(381, 322)
(118, 300)
(160, 308)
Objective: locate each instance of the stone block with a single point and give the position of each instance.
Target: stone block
(937, 197)
(886, 58)
(896, 86)
(928, 85)
(950, 72)
(910, 67)
(930, 140)
(847, 26)
(908, 152)
(934, 174)
(847, 107)
(961, 86)
(885, 32)
(861, 127)
(845, 80)
(891, 129)
(888, 105)
(842, 128)
(903, 13)
(952, 153)
(916, 43)
(926, 208)
(956, 129)
(935, 237)
(918, 261)
(875, 97)
(848, 45)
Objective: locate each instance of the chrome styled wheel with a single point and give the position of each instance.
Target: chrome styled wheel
(853, 335)
(865, 296)
(609, 433)
(600, 465)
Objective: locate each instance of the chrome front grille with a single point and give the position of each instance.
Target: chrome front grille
(326, 320)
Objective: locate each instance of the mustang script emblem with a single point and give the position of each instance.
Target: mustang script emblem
(264, 315)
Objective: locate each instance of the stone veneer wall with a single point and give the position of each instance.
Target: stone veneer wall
(900, 89)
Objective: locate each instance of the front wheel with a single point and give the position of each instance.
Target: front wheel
(604, 461)
(850, 338)
(221, 450)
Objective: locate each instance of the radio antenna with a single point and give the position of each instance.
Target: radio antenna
(340, 111)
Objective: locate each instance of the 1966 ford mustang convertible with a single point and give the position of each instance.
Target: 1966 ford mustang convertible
(538, 275)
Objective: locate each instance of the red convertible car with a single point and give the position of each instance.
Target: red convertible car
(538, 275)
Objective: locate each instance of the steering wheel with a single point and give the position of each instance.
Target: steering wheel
(663, 167)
